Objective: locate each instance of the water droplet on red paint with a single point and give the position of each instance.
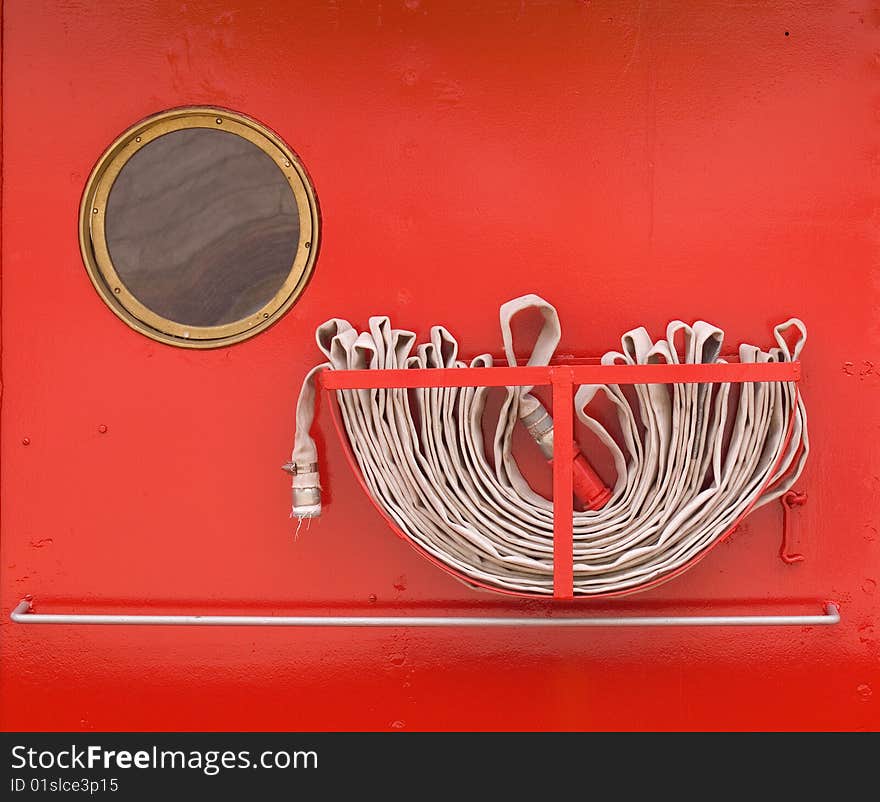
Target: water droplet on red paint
(869, 586)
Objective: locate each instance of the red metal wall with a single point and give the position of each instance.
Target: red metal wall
(632, 162)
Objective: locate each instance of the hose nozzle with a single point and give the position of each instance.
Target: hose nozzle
(589, 489)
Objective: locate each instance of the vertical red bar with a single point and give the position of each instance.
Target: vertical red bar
(563, 458)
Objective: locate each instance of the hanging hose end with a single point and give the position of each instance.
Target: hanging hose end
(306, 490)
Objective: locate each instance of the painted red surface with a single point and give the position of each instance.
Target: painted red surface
(629, 162)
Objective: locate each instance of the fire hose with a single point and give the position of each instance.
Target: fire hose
(689, 459)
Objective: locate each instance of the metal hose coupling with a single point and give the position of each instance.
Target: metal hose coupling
(306, 489)
(589, 489)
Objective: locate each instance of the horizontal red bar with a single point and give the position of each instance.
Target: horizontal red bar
(579, 374)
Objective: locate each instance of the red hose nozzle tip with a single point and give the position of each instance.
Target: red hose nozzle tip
(589, 489)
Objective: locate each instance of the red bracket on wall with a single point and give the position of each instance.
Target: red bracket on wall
(562, 379)
(791, 499)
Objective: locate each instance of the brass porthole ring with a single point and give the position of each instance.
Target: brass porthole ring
(96, 252)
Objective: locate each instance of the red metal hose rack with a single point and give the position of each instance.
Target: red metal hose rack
(562, 378)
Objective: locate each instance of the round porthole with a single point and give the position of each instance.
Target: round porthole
(199, 227)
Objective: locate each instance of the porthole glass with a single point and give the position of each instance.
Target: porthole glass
(199, 227)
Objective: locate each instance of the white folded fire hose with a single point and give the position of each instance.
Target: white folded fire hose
(684, 472)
